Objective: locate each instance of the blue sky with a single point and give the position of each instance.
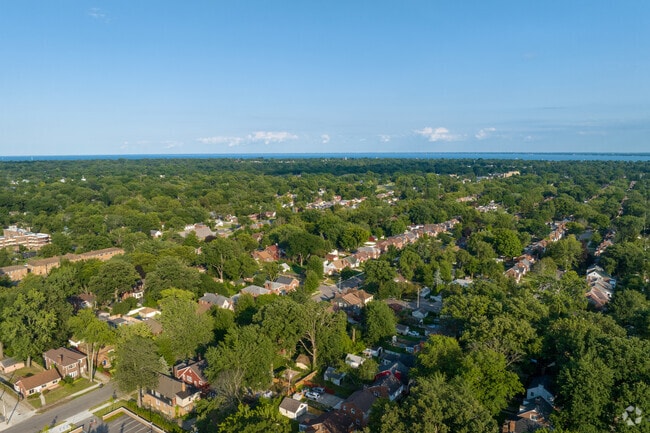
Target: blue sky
(140, 77)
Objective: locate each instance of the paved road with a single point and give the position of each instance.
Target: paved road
(75, 409)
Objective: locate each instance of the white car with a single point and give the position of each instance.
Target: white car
(312, 395)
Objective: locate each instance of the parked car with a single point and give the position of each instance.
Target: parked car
(414, 333)
(312, 395)
(318, 390)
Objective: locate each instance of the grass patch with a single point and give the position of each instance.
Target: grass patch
(27, 371)
(101, 412)
(64, 391)
(114, 417)
(35, 401)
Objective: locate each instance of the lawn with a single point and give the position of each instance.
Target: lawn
(65, 390)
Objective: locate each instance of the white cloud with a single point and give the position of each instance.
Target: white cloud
(266, 137)
(484, 133)
(384, 138)
(325, 138)
(229, 141)
(437, 134)
(271, 136)
(97, 14)
(171, 144)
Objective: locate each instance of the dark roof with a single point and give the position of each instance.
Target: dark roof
(290, 405)
(546, 381)
(169, 387)
(331, 422)
(282, 279)
(363, 399)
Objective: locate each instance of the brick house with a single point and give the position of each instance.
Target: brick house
(192, 374)
(171, 397)
(358, 406)
(67, 362)
(39, 382)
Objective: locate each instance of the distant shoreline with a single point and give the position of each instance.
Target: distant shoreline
(532, 156)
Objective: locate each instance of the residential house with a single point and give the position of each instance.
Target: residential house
(269, 254)
(334, 421)
(334, 376)
(172, 397)
(275, 288)
(358, 406)
(290, 283)
(212, 299)
(39, 382)
(9, 365)
(255, 291)
(535, 411)
(402, 329)
(387, 386)
(541, 386)
(420, 313)
(193, 374)
(354, 361)
(352, 301)
(201, 231)
(292, 409)
(601, 287)
(67, 362)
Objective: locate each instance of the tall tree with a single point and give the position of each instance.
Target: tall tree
(184, 328)
(29, 325)
(379, 322)
(137, 365)
(93, 333)
(171, 272)
(113, 278)
(244, 359)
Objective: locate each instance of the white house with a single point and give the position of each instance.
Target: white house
(292, 409)
(354, 361)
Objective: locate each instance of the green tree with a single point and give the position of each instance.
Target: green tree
(434, 405)
(379, 322)
(440, 354)
(171, 272)
(507, 243)
(93, 333)
(300, 246)
(183, 327)
(244, 359)
(137, 365)
(378, 271)
(315, 264)
(113, 278)
(566, 252)
(488, 379)
(29, 325)
(263, 418)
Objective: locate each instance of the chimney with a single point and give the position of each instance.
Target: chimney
(61, 358)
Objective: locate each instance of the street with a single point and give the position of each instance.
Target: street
(76, 408)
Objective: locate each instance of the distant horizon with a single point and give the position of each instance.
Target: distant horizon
(559, 156)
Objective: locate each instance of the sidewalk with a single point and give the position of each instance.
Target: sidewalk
(77, 419)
